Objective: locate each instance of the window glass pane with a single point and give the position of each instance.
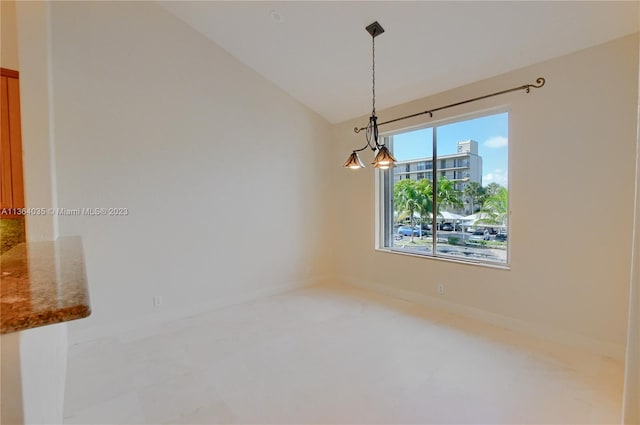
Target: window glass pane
(471, 167)
(411, 192)
(473, 189)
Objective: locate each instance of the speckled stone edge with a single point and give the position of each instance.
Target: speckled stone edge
(43, 283)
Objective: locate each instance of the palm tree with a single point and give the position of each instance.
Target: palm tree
(473, 191)
(407, 200)
(426, 199)
(490, 190)
(448, 194)
(496, 207)
(410, 197)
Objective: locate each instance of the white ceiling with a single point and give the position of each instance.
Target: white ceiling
(320, 53)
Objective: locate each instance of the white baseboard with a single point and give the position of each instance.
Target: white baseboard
(153, 322)
(540, 331)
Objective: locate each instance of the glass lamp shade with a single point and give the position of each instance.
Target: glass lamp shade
(383, 158)
(354, 162)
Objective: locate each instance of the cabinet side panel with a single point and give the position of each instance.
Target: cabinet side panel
(5, 148)
(15, 135)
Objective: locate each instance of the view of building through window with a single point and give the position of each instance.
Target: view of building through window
(470, 164)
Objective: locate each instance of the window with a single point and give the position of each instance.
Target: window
(471, 205)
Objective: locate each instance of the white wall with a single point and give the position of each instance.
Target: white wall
(33, 361)
(43, 362)
(33, 375)
(631, 404)
(11, 406)
(220, 170)
(572, 150)
(38, 143)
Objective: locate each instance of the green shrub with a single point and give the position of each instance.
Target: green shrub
(454, 240)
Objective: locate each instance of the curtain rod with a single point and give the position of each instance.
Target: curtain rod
(540, 82)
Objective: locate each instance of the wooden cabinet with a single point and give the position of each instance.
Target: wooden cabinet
(11, 182)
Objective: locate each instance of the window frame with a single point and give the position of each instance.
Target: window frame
(382, 183)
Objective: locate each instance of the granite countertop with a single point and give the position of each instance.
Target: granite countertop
(42, 283)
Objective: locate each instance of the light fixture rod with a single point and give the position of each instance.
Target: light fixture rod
(527, 87)
(383, 158)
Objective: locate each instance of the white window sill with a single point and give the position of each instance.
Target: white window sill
(448, 259)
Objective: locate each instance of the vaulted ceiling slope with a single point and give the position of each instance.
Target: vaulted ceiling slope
(320, 53)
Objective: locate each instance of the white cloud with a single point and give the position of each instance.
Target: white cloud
(497, 176)
(496, 142)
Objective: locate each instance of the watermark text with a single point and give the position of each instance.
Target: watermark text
(61, 212)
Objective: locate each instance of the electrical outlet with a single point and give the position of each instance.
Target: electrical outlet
(441, 289)
(157, 300)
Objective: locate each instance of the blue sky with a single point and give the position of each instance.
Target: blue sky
(491, 133)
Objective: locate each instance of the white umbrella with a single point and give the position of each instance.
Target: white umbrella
(476, 216)
(473, 218)
(450, 216)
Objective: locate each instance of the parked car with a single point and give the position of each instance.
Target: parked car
(502, 237)
(447, 227)
(425, 229)
(480, 235)
(408, 231)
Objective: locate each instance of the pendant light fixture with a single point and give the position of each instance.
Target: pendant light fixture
(383, 158)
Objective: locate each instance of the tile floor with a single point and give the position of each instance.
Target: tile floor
(336, 354)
